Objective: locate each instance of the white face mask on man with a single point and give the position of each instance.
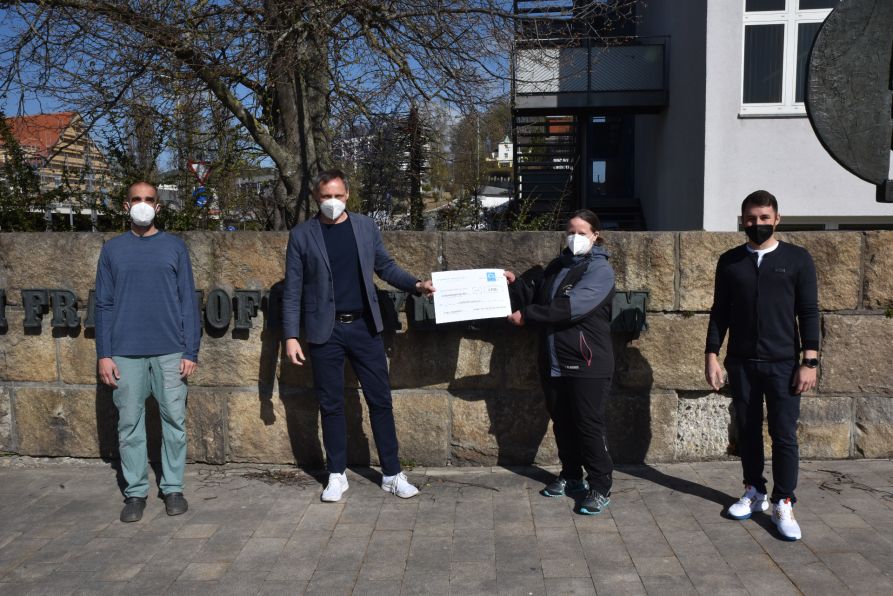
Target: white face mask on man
(579, 244)
(142, 214)
(332, 208)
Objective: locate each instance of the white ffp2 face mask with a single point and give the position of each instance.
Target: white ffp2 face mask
(332, 208)
(578, 245)
(142, 214)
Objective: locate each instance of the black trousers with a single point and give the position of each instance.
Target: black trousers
(750, 381)
(359, 343)
(577, 409)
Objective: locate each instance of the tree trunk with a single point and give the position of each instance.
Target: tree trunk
(298, 80)
(416, 163)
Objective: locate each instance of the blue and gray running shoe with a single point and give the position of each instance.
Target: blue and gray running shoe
(562, 486)
(594, 503)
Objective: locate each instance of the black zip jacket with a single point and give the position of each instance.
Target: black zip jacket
(572, 301)
(761, 307)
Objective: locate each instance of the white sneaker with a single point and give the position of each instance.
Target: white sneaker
(751, 502)
(783, 516)
(398, 485)
(335, 488)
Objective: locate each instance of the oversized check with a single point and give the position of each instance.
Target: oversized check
(470, 294)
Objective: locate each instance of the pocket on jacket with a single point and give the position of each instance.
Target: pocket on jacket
(309, 306)
(568, 352)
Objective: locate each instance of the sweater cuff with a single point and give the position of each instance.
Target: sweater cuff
(812, 344)
(712, 349)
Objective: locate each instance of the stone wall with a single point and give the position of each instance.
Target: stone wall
(462, 396)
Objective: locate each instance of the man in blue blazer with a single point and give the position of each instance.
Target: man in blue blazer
(329, 288)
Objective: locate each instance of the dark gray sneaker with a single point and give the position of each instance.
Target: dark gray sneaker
(175, 504)
(563, 486)
(594, 503)
(133, 509)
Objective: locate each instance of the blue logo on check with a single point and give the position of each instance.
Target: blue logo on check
(491, 276)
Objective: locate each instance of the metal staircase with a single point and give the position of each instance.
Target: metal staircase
(552, 101)
(546, 156)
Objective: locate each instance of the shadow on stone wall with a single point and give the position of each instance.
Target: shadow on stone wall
(640, 427)
(629, 408)
(516, 419)
(298, 403)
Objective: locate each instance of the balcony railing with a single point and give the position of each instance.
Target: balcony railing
(636, 64)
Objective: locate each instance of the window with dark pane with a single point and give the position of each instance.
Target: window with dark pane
(763, 63)
(806, 33)
(817, 4)
(764, 5)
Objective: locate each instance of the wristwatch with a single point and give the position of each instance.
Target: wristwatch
(810, 362)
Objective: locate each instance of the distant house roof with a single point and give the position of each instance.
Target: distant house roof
(493, 197)
(41, 132)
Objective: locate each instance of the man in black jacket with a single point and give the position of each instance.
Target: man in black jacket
(766, 297)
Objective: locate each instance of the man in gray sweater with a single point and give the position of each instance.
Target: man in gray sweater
(147, 339)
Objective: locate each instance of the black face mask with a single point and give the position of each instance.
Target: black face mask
(759, 233)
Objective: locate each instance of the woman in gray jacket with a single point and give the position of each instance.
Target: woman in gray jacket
(571, 303)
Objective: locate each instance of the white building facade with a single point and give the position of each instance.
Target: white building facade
(750, 110)
(705, 105)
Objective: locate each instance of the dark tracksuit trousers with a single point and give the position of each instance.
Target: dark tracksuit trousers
(577, 408)
(749, 381)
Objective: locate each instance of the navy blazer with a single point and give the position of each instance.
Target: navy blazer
(309, 295)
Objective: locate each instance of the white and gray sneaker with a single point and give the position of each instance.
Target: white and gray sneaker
(751, 502)
(335, 488)
(783, 516)
(398, 485)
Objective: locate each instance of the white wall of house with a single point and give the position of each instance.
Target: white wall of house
(781, 155)
(669, 168)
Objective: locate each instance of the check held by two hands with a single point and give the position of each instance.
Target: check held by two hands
(470, 295)
(295, 354)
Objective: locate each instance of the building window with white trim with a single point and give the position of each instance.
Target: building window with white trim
(778, 35)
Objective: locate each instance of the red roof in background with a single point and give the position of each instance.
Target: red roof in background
(41, 132)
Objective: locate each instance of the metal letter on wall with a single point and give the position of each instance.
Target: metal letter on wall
(218, 310)
(272, 304)
(35, 303)
(849, 95)
(90, 321)
(247, 303)
(65, 309)
(199, 301)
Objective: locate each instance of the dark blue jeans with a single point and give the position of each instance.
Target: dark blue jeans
(365, 349)
(749, 381)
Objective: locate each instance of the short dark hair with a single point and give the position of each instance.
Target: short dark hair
(326, 176)
(142, 182)
(591, 218)
(760, 198)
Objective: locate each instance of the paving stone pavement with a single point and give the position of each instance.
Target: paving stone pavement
(263, 530)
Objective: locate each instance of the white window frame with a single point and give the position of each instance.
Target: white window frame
(790, 17)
